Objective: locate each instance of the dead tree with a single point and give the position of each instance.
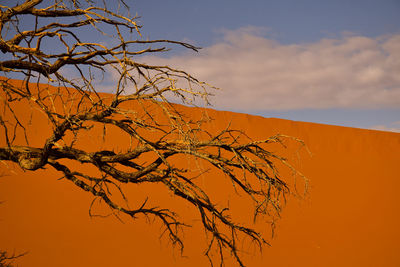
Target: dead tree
(44, 42)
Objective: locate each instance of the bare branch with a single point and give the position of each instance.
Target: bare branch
(139, 107)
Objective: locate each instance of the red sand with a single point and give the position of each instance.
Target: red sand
(351, 216)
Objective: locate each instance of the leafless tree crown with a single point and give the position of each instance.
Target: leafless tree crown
(46, 42)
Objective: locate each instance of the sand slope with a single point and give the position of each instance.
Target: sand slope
(351, 216)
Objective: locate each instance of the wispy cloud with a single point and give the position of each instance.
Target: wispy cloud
(257, 73)
(393, 127)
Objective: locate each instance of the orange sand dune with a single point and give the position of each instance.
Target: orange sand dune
(351, 216)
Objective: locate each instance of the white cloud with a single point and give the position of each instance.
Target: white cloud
(392, 127)
(257, 73)
(387, 128)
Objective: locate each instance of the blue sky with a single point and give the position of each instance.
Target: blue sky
(334, 62)
(290, 21)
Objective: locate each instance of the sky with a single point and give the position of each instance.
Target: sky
(332, 62)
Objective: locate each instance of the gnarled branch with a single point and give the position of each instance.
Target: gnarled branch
(138, 107)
